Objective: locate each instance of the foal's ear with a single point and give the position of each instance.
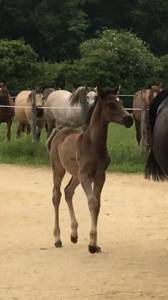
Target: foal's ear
(100, 91)
(116, 90)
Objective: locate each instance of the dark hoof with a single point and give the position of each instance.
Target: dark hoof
(58, 244)
(74, 239)
(94, 249)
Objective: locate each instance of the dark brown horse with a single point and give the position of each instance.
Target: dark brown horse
(84, 155)
(141, 102)
(6, 113)
(157, 162)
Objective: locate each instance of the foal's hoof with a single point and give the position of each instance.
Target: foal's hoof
(58, 244)
(94, 249)
(74, 239)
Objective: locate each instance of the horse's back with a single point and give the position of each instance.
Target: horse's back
(57, 97)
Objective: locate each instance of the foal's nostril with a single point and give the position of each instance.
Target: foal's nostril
(128, 121)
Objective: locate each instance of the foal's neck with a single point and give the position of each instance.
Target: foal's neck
(98, 130)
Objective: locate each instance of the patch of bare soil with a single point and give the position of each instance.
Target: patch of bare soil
(133, 234)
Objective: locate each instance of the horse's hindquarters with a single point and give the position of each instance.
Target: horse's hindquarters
(160, 142)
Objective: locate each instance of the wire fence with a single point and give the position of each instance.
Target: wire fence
(59, 108)
(67, 108)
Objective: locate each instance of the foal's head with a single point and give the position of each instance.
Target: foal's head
(112, 108)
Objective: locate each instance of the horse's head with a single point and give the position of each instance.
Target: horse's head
(37, 100)
(83, 94)
(91, 96)
(112, 107)
(4, 95)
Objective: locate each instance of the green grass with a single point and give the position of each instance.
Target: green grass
(125, 155)
(124, 152)
(22, 151)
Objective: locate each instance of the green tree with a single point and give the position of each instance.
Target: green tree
(53, 28)
(18, 64)
(164, 71)
(150, 22)
(117, 57)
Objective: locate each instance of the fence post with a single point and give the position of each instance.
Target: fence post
(34, 117)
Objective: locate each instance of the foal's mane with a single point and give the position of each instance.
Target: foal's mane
(154, 107)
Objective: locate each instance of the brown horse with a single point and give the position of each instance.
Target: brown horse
(84, 155)
(6, 113)
(141, 102)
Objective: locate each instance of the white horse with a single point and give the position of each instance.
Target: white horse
(63, 108)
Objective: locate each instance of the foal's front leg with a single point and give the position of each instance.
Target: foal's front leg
(93, 196)
(69, 191)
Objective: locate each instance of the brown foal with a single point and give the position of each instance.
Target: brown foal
(84, 155)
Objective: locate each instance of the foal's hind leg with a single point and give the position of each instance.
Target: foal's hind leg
(69, 191)
(93, 196)
(56, 202)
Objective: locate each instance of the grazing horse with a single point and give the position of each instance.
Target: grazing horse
(6, 113)
(157, 162)
(84, 155)
(26, 103)
(64, 108)
(141, 102)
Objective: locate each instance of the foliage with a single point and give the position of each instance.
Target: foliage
(55, 29)
(17, 64)
(116, 57)
(48, 74)
(149, 20)
(164, 73)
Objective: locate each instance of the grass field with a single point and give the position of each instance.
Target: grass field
(124, 152)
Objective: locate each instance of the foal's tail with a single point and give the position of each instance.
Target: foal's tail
(50, 138)
(152, 169)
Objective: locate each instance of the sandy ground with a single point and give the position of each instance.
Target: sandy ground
(133, 234)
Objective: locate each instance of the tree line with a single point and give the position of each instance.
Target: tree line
(56, 28)
(62, 43)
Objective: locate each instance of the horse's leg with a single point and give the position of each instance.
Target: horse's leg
(50, 126)
(69, 191)
(19, 128)
(56, 202)
(94, 207)
(9, 124)
(138, 131)
(28, 129)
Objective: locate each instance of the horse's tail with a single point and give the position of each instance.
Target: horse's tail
(152, 169)
(50, 138)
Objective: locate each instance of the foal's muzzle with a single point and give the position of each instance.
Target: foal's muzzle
(128, 121)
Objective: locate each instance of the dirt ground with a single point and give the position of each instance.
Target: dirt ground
(133, 234)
